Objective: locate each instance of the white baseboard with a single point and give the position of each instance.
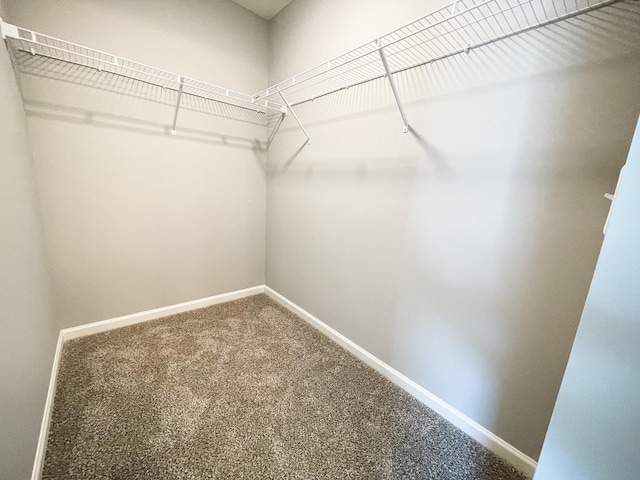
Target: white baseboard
(118, 322)
(508, 452)
(111, 324)
(494, 443)
(48, 409)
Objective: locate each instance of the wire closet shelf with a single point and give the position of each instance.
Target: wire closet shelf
(27, 41)
(450, 30)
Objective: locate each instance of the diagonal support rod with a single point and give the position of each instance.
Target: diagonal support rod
(295, 116)
(175, 115)
(392, 82)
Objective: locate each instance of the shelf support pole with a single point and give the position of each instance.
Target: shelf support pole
(295, 116)
(454, 9)
(392, 82)
(175, 115)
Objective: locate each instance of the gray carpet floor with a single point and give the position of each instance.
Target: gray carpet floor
(243, 390)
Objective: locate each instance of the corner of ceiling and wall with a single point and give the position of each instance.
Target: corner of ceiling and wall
(265, 9)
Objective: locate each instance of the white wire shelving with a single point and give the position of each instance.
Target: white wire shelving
(23, 41)
(453, 29)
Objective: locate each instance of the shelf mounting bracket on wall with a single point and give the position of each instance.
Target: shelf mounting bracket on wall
(175, 115)
(294, 116)
(392, 82)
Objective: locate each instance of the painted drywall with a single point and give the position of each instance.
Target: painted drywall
(460, 253)
(594, 430)
(135, 218)
(27, 323)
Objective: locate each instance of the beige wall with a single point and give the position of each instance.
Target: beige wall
(135, 218)
(27, 323)
(461, 253)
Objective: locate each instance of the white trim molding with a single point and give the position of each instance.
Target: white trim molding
(491, 441)
(112, 324)
(119, 322)
(497, 445)
(48, 409)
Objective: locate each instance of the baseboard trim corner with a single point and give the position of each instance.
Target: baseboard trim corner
(111, 324)
(41, 447)
(491, 441)
(126, 320)
(497, 445)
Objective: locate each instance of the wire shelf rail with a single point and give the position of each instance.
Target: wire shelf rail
(450, 30)
(23, 41)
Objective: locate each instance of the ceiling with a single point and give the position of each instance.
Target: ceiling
(267, 9)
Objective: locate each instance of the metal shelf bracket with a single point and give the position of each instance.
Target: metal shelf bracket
(175, 115)
(392, 82)
(289, 109)
(454, 8)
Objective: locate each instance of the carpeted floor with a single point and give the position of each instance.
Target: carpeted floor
(243, 390)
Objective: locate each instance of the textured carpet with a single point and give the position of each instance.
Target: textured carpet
(243, 390)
